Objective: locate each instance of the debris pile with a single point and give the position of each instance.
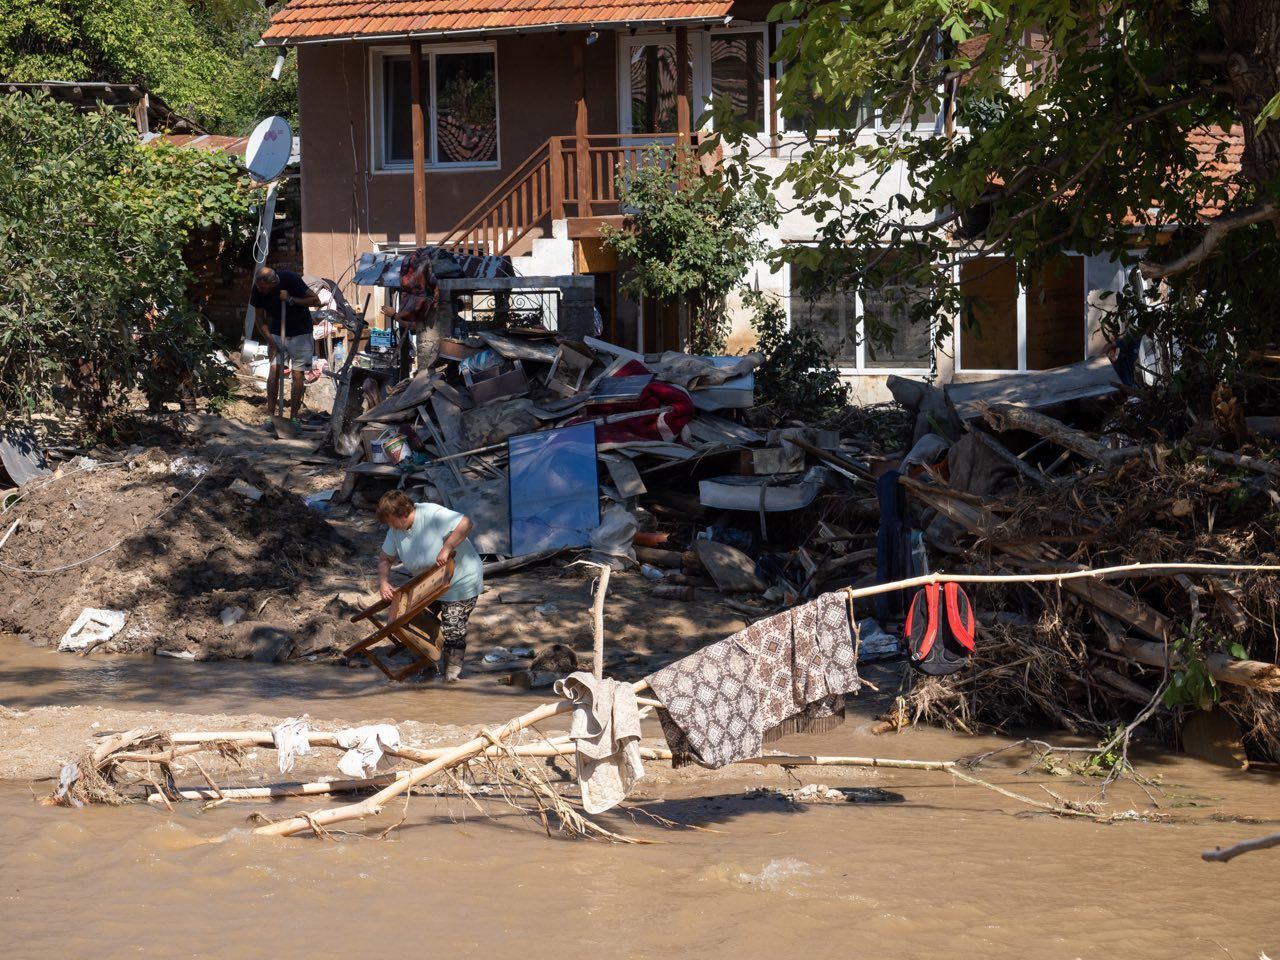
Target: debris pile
(549, 443)
(1008, 489)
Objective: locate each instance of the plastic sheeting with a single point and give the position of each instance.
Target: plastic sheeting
(555, 501)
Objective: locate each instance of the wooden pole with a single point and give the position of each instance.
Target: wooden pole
(684, 120)
(372, 806)
(582, 154)
(555, 159)
(418, 119)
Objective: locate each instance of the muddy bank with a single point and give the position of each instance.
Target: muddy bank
(199, 569)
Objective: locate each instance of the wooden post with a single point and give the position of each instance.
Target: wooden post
(581, 145)
(771, 84)
(684, 120)
(555, 149)
(419, 144)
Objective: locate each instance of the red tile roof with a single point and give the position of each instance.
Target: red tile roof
(1218, 155)
(301, 20)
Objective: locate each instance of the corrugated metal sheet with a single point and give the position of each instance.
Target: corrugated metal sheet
(302, 20)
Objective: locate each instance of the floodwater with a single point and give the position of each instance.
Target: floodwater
(951, 870)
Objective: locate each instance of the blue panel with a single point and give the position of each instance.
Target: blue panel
(555, 500)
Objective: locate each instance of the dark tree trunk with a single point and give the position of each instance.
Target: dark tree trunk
(1251, 29)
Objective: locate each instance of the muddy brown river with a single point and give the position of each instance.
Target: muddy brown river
(949, 870)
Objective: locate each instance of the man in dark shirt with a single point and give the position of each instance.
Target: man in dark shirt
(282, 303)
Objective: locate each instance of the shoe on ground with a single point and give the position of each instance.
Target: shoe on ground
(452, 672)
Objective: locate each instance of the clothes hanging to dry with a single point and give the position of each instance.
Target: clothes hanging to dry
(606, 730)
(786, 674)
(292, 739)
(365, 746)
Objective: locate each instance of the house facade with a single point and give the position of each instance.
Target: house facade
(499, 127)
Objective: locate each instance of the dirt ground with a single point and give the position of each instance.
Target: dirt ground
(179, 546)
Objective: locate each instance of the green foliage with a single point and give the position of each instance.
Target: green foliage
(798, 379)
(200, 58)
(687, 240)
(1192, 685)
(1093, 132)
(92, 231)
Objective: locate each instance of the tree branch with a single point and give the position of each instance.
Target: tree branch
(1222, 854)
(1214, 234)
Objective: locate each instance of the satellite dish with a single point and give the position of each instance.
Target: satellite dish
(269, 148)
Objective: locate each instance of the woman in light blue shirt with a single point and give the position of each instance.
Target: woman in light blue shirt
(423, 535)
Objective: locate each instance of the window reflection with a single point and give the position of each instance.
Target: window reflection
(738, 72)
(466, 108)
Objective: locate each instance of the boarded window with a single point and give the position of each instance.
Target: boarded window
(989, 315)
(1055, 314)
(1054, 310)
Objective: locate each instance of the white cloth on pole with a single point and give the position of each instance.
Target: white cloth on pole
(606, 730)
(364, 746)
(292, 739)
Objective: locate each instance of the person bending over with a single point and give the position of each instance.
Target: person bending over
(282, 302)
(422, 535)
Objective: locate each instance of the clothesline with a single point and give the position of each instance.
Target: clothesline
(488, 738)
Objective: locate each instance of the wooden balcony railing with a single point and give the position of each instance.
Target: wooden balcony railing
(563, 178)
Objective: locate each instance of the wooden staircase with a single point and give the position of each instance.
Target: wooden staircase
(565, 177)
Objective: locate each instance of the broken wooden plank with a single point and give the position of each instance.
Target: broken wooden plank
(1090, 378)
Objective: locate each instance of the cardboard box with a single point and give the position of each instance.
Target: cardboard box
(497, 383)
(569, 369)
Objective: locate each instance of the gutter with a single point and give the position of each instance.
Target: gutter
(491, 31)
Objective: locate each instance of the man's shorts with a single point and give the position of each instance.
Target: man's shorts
(297, 352)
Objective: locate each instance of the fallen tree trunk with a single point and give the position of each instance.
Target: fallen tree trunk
(1008, 416)
(1223, 668)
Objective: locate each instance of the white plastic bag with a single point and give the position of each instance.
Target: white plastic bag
(611, 541)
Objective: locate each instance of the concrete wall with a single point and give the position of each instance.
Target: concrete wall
(348, 206)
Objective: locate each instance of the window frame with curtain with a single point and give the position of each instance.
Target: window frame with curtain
(383, 158)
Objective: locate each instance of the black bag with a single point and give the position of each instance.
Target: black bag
(940, 629)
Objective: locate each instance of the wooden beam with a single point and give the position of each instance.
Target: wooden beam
(418, 118)
(684, 120)
(772, 117)
(587, 228)
(581, 145)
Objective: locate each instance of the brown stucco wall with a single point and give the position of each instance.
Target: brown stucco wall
(346, 207)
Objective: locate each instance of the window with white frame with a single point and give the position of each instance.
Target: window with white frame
(860, 114)
(729, 62)
(1010, 326)
(460, 107)
(872, 328)
(736, 70)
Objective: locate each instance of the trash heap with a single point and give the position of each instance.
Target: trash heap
(1003, 488)
(550, 443)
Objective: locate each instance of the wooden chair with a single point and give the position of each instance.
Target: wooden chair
(411, 601)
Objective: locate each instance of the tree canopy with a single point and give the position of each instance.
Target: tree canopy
(93, 226)
(1034, 127)
(198, 56)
